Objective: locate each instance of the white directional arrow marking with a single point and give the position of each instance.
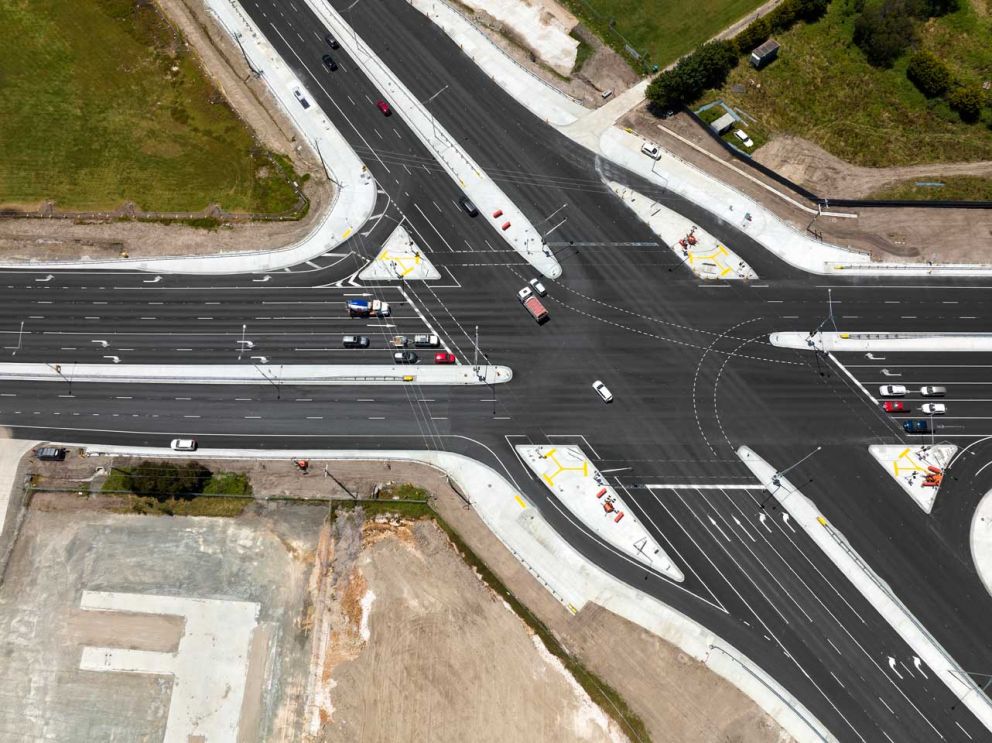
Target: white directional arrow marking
(892, 665)
(152, 281)
(103, 344)
(718, 528)
(263, 279)
(736, 521)
(873, 357)
(785, 518)
(261, 359)
(917, 664)
(47, 278)
(115, 359)
(762, 517)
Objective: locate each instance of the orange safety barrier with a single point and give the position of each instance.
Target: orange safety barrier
(617, 519)
(497, 214)
(505, 227)
(601, 493)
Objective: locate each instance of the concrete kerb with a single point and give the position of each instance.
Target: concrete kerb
(503, 215)
(259, 374)
(882, 341)
(876, 591)
(355, 195)
(570, 578)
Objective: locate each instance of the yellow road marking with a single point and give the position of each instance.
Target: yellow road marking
(346, 233)
(520, 501)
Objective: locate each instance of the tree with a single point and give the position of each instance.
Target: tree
(884, 31)
(967, 101)
(756, 32)
(706, 67)
(929, 74)
(165, 480)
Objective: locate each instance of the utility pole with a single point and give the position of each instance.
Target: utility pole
(241, 346)
(781, 473)
(19, 334)
(475, 352)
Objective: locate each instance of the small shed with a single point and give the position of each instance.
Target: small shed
(764, 54)
(723, 124)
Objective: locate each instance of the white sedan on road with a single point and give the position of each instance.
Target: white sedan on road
(602, 391)
(892, 390)
(934, 408)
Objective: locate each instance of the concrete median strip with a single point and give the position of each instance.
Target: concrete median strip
(881, 341)
(875, 590)
(268, 374)
(917, 469)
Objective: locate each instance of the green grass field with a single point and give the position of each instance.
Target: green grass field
(955, 188)
(666, 29)
(821, 89)
(101, 102)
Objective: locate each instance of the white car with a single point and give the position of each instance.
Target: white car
(892, 390)
(933, 408)
(538, 288)
(745, 140)
(932, 391)
(651, 150)
(183, 445)
(602, 391)
(301, 98)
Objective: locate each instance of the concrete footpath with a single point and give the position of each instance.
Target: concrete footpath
(863, 342)
(248, 373)
(355, 195)
(876, 591)
(572, 579)
(11, 452)
(981, 540)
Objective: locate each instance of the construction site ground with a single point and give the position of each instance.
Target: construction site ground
(888, 233)
(67, 239)
(415, 646)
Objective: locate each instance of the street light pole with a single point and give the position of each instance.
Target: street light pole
(241, 346)
(19, 334)
(781, 473)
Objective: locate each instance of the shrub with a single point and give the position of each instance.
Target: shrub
(166, 480)
(936, 8)
(706, 67)
(884, 31)
(967, 101)
(928, 74)
(756, 32)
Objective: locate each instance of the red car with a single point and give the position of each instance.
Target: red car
(444, 358)
(894, 406)
(384, 107)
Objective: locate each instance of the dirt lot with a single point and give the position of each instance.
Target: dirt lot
(56, 239)
(911, 234)
(387, 619)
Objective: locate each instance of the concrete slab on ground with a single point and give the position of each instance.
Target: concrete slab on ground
(915, 468)
(701, 252)
(400, 259)
(567, 472)
(981, 540)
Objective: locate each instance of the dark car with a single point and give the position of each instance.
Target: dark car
(404, 357)
(331, 41)
(470, 209)
(50, 453)
(355, 341)
(915, 425)
(329, 62)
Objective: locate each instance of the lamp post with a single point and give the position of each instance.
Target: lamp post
(776, 481)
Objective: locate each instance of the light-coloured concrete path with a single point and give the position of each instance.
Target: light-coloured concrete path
(981, 540)
(11, 453)
(882, 341)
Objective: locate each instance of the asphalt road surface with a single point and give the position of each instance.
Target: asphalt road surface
(688, 362)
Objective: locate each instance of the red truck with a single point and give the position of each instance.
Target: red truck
(533, 305)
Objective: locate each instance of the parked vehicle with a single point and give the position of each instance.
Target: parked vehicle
(651, 150)
(301, 98)
(933, 408)
(355, 341)
(384, 107)
(602, 391)
(399, 341)
(533, 305)
(442, 357)
(329, 62)
(466, 203)
(892, 390)
(894, 406)
(915, 425)
(538, 288)
(932, 391)
(426, 341)
(50, 453)
(183, 444)
(331, 41)
(368, 308)
(405, 357)
(745, 140)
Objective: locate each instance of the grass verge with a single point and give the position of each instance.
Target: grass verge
(201, 505)
(133, 117)
(955, 188)
(599, 691)
(664, 30)
(822, 89)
